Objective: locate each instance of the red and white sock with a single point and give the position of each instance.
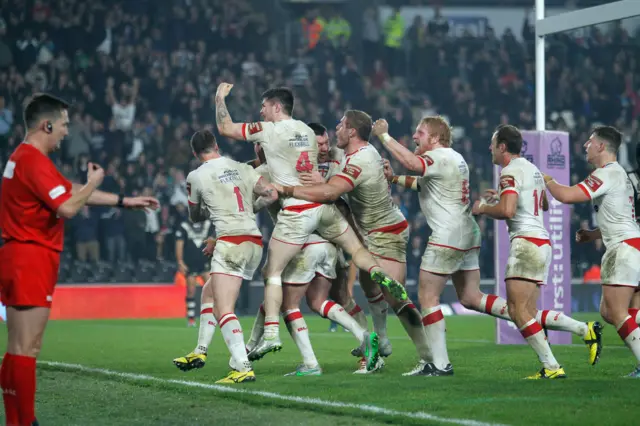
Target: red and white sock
(630, 333)
(534, 335)
(435, 329)
(257, 330)
(336, 313)
(554, 320)
(634, 314)
(207, 328)
(297, 327)
(379, 308)
(9, 393)
(271, 327)
(495, 306)
(233, 337)
(357, 313)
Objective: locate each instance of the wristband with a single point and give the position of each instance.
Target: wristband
(385, 137)
(120, 202)
(394, 179)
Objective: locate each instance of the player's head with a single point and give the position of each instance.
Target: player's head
(277, 103)
(322, 137)
(432, 132)
(603, 140)
(354, 125)
(203, 142)
(505, 143)
(48, 115)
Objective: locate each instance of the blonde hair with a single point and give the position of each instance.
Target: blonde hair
(438, 126)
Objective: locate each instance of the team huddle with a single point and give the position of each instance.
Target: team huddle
(333, 203)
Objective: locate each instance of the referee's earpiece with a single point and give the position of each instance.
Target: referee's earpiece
(48, 127)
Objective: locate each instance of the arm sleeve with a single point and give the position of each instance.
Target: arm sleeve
(47, 183)
(597, 183)
(510, 181)
(430, 167)
(352, 172)
(180, 234)
(260, 131)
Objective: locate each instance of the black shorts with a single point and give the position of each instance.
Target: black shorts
(197, 266)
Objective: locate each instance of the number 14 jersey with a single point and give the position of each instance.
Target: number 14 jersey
(444, 200)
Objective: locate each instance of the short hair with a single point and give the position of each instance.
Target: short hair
(283, 95)
(610, 135)
(511, 137)
(318, 128)
(438, 126)
(42, 106)
(203, 141)
(360, 121)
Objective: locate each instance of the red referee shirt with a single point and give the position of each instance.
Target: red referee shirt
(32, 191)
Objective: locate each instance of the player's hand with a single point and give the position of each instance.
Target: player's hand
(210, 246)
(380, 127)
(477, 208)
(223, 90)
(584, 236)
(387, 169)
(141, 203)
(546, 178)
(491, 196)
(278, 188)
(95, 174)
(311, 178)
(182, 267)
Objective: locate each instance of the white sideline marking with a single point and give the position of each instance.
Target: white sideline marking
(420, 415)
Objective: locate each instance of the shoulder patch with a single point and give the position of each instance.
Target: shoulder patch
(352, 170)
(254, 128)
(507, 182)
(593, 182)
(429, 160)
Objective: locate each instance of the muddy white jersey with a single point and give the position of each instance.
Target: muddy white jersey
(444, 200)
(612, 196)
(273, 209)
(290, 147)
(370, 198)
(523, 178)
(224, 188)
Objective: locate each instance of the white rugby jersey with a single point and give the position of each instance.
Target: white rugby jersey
(370, 198)
(522, 177)
(612, 196)
(444, 200)
(224, 187)
(331, 167)
(290, 147)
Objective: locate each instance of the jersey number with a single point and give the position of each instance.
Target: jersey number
(304, 164)
(236, 191)
(465, 192)
(537, 202)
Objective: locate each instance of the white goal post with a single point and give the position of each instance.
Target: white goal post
(566, 22)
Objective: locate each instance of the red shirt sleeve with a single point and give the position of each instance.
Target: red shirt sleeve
(47, 183)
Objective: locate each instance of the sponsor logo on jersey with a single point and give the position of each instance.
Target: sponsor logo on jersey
(254, 128)
(507, 182)
(593, 183)
(352, 170)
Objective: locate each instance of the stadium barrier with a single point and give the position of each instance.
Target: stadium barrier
(138, 301)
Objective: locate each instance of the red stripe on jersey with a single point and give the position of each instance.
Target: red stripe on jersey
(585, 190)
(531, 330)
(244, 130)
(392, 229)
(537, 241)
(509, 191)
(302, 207)
(348, 180)
(239, 239)
(433, 317)
(633, 242)
(423, 162)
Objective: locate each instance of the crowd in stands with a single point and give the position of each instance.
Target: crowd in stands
(142, 78)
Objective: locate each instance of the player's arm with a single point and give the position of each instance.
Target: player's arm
(567, 194)
(197, 213)
(266, 193)
(323, 193)
(407, 158)
(101, 198)
(224, 122)
(180, 250)
(409, 182)
(545, 202)
(588, 235)
(255, 163)
(504, 209)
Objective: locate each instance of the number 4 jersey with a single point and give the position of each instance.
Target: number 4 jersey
(444, 200)
(225, 188)
(523, 178)
(611, 193)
